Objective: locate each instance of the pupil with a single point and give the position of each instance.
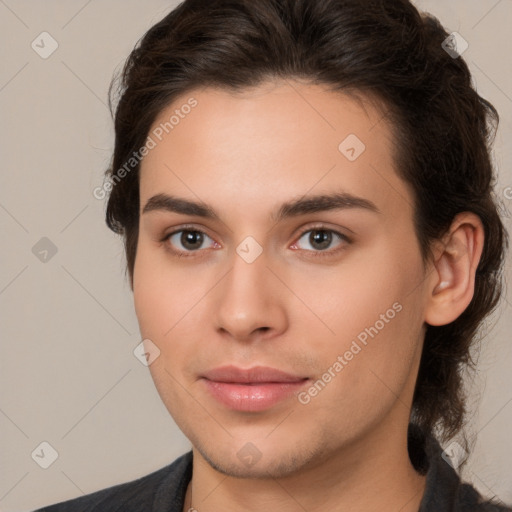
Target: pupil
(322, 239)
(190, 239)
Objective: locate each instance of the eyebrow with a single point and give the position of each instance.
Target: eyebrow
(293, 208)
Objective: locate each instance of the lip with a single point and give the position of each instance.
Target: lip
(253, 389)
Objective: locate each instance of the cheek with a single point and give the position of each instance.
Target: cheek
(373, 307)
(159, 306)
(167, 301)
(154, 299)
(354, 295)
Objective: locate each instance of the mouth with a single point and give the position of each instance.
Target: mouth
(253, 389)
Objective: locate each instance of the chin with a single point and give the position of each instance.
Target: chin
(249, 462)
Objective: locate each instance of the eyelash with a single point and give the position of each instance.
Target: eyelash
(315, 254)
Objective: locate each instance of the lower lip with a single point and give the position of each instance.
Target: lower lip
(252, 397)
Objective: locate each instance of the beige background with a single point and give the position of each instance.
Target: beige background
(68, 375)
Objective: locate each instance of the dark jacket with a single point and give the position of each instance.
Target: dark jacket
(164, 490)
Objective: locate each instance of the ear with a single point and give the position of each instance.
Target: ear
(451, 284)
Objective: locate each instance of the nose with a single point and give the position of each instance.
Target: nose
(249, 302)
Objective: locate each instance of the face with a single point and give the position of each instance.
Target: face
(287, 305)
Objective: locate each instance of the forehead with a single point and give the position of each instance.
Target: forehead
(280, 138)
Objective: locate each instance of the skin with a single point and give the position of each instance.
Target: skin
(244, 155)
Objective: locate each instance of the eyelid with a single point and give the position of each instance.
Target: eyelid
(323, 226)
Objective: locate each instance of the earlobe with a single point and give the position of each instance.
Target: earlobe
(450, 286)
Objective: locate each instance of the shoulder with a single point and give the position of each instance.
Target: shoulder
(446, 492)
(157, 491)
(471, 500)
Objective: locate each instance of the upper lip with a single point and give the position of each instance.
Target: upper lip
(249, 375)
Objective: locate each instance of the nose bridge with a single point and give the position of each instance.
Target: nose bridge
(247, 299)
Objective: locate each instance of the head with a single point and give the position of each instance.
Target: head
(251, 108)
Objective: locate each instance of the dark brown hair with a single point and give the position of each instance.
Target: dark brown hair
(382, 48)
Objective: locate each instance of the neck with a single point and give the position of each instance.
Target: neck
(372, 473)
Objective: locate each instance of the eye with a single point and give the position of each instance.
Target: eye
(321, 240)
(187, 240)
